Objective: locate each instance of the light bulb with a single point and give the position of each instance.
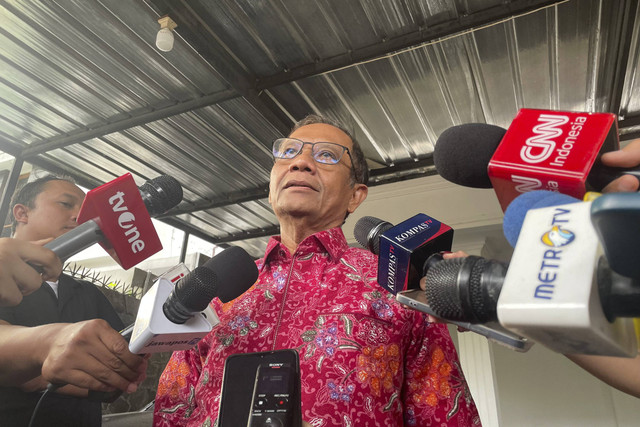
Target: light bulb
(164, 40)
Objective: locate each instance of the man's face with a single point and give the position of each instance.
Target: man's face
(54, 213)
(320, 193)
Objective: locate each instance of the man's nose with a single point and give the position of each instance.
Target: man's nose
(304, 161)
(74, 214)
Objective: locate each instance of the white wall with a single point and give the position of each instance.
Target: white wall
(542, 388)
(537, 388)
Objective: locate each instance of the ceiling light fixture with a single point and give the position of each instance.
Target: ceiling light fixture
(164, 39)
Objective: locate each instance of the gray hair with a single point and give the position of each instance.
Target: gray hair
(360, 169)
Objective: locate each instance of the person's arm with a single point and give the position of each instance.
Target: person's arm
(17, 278)
(88, 354)
(618, 372)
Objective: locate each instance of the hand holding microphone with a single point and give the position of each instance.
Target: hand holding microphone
(88, 354)
(405, 252)
(628, 157)
(91, 355)
(558, 290)
(17, 277)
(169, 319)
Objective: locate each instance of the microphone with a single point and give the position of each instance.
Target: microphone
(517, 210)
(404, 248)
(541, 150)
(118, 216)
(177, 317)
(169, 318)
(557, 290)
(398, 267)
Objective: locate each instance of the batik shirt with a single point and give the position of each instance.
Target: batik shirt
(365, 360)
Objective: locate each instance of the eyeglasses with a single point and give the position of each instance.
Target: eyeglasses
(326, 153)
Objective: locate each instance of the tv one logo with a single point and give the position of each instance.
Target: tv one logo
(540, 146)
(126, 221)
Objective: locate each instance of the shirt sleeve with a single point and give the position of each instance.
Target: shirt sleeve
(175, 397)
(435, 391)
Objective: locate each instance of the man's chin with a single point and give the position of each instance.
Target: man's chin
(295, 211)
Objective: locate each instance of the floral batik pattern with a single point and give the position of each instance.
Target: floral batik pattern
(365, 360)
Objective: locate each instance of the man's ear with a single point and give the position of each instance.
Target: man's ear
(21, 213)
(358, 195)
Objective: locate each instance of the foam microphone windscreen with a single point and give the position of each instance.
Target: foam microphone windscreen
(462, 153)
(235, 272)
(518, 208)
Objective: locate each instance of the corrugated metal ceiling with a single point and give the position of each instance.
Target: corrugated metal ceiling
(83, 88)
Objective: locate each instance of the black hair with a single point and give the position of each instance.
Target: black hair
(29, 192)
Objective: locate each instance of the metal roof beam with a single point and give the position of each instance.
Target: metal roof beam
(628, 122)
(260, 232)
(251, 234)
(229, 199)
(629, 136)
(139, 119)
(627, 16)
(10, 148)
(423, 35)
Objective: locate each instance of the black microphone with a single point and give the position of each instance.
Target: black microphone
(176, 326)
(404, 248)
(480, 155)
(465, 289)
(227, 276)
(161, 194)
(168, 319)
(462, 153)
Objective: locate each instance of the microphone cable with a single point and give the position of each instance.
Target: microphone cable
(50, 389)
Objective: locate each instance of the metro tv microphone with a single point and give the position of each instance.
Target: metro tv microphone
(118, 216)
(400, 247)
(541, 150)
(169, 317)
(551, 291)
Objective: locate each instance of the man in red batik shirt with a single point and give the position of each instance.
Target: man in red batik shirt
(365, 360)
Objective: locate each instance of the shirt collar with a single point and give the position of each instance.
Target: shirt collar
(331, 241)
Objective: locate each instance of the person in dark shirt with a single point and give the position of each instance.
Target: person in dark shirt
(65, 332)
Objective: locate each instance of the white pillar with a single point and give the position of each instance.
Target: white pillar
(476, 357)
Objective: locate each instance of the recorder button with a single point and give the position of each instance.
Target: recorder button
(260, 402)
(271, 422)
